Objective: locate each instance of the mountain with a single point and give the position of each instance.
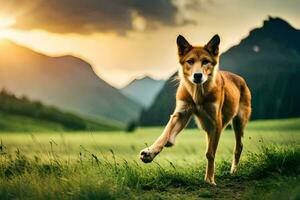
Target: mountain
(22, 114)
(164, 103)
(143, 90)
(269, 60)
(65, 81)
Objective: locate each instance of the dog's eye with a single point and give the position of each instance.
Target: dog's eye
(190, 61)
(205, 62)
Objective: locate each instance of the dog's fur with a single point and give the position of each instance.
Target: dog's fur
(216, 99)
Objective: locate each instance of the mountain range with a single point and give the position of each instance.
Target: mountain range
(143, 90)
(67, 82)
(268, 59)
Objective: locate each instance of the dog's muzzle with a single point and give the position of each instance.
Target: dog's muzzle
(197, 78)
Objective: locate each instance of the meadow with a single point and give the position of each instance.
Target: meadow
(106, 165)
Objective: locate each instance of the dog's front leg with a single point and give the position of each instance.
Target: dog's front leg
(178, 120)
(211, 122)
(212, 144)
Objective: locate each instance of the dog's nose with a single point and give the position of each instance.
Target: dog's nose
(197, 77)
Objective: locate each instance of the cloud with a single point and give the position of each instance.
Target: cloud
(89, 16)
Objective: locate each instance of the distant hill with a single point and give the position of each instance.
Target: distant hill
(269, 59)
(65, 81)
(22, 114)
(143, 90)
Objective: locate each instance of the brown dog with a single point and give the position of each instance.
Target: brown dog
(214, 97)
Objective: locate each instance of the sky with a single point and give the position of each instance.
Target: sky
(127, 39)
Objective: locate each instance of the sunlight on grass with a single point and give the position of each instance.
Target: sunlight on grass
(190, 145)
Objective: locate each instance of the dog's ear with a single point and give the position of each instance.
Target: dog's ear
(183, 45)
(213, 45)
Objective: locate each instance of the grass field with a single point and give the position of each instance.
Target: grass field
(100, 165)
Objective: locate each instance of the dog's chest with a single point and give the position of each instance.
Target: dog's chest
(205, 102)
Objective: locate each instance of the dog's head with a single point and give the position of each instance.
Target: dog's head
(198, 62)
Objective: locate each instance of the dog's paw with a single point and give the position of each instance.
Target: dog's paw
(233, 169)
(147, 155)
(211, 182)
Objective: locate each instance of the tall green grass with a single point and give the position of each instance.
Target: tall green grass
(93, 177)
(105, 165)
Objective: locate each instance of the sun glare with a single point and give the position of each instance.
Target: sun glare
(7, 22)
